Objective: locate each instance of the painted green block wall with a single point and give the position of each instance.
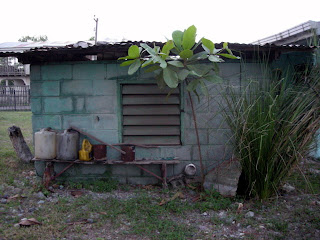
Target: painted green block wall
(85, 94)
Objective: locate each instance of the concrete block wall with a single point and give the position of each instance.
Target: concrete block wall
(85, 94)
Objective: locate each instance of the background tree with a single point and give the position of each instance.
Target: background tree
(41, 38)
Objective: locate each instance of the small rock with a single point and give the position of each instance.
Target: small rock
(61, 187)
(20, 215)
(3, 201)
(24, 219)
(40, 195)
(249, 214)
(262, 227)
(288, 188)
(16, 225)
(204, 214)
(222, 214)
(32, 209)
(204, 228)
(41, 202)
(90, 220)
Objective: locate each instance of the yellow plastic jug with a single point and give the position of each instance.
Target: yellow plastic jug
(84, 153)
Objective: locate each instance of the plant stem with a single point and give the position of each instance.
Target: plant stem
(198, 141)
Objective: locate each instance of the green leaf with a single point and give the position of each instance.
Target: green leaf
(225, 45)
(147, 63)
(170, 77)
(189, 37)
(193, 85)
(166, 48)
(176, 63)
(134, 67)
(185, 54)
(150, 50)
(177, 38)
(203, 87)
(126, 63)
(200, 69)
(214, 58)
(214, 78)
(134, 52)
(226, 55)
(199, 56)
(152, 68)
(207, 44)
(183, 74)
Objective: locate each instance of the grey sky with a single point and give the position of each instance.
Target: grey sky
(233, 21)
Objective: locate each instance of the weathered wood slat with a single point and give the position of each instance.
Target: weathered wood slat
(145, 89)
(151, 130)
(157, 140)
(151, 120)
(151, 110)
(149, 99)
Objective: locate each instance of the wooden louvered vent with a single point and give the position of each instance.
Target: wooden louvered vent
(148, 116)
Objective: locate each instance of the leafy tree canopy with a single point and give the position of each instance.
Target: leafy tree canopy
(41, 38)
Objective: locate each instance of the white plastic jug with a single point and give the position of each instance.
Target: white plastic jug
(45, 144)
(67, 145)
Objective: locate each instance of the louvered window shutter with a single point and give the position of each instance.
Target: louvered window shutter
(148, 116)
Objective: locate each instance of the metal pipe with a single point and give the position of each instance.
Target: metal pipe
(97, 139)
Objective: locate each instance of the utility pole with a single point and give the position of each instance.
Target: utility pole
(96, 35)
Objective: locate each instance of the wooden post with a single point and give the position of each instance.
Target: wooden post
(19, 144)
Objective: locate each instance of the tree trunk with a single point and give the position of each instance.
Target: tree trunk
(19, 144)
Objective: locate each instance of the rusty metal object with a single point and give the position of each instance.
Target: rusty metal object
(99, 152)
(130, 153)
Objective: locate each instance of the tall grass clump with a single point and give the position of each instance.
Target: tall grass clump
(273, 124)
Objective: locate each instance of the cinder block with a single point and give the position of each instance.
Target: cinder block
(90, 71)
(39, 166)
(57, 105)
(44, 121)
(184, 152)
(230, 71)
(36, 89)
(105, 87)
(56, 72)
(101, 104)
(51, 88)
(203, 120)
(105, 121)
(80, 121)
(148, 153)
(108, 136)
(97, 169)
(113, 154)
(79, 103)
(35, 73)
(200, 105)
(112, 72)
(191, 137)
(36, 105)
(119, 170)
(142, 180)
(76, 87)
(220, 136)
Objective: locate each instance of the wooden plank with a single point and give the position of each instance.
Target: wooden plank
(145, 89)
(151, 130)
(149, 99)
(151, 120)
(156, 140)
(151, 110)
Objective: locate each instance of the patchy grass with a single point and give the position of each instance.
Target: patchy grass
(9, 163)
(107, 210)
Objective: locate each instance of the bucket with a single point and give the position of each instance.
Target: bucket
(130, 153)
(99, 152)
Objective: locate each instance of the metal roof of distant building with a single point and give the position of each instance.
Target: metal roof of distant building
(292, 35)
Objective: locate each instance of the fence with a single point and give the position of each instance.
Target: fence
(15, 98)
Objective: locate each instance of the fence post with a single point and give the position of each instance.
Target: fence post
(14, 98)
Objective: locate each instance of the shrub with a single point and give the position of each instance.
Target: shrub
(273, 124)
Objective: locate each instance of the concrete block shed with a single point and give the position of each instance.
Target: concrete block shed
(98, 96)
